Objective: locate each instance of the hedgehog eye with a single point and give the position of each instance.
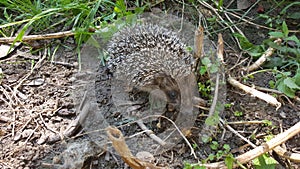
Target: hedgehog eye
(172, 94)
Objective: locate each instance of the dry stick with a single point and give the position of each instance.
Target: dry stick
(39, 37)
(295, 157)
(255, 24)
(236, 133)
(179, 131)
(17, 100)
(10, 106)
(217, 14)
(279, 139)
(265, 147)
(220, 50)
(198, 42)
(246, 122)
(263, 96)
(150, 133)
(263, 58)
(31, 134)
(275, 91)
(284, 153)
(82, 112)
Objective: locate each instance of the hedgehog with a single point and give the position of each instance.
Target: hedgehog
(149, 57)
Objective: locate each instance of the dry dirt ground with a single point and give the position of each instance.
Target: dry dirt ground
(37, 107)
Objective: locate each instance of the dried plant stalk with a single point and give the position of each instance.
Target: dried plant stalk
(118, 142)
(220, 49)
(198, 41)
(263, 58)
(263, 96)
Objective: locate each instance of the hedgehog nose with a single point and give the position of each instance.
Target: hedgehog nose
(171, 107)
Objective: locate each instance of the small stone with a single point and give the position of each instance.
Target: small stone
(145, 156)
(26, 133)
(282, 114)
(42, 139)
(17, 137)
(75, 64)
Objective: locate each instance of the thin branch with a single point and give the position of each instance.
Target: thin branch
(38, 37)
(236, 133)
(263, 96)
(263, 58)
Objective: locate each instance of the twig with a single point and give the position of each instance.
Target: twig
(258, 151)
(150, 133)
(295, 157)
(178, 130)
(218, 82)
(255, 24)
(263, 96)
(68, 65)
(37, 126)
(29, 74)
(198, 40)
(276, 141)
(39, 37)
(82, 112)
(246, 122)
(197, 101)
(223, 21)
(220, 49)
(263, 58)
(268, 90)
(236, 133)
(11, 107)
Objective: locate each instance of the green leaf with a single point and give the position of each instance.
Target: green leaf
(290, 82)
(213, 120)
(226, 147)
(297, 77)
(286, 90)
(206, 61)
(120, 7)
(285, 29)
(220, 4)
(293, 38)
(214, 68)
(267, 122)
(229, 161)
(238, 113)
(212, 19)
(203, 70)
(214, 145)
(187, 165)
(276, 34)
(245, 44)
(211, 157)
(288, 6)
(253, 50)
(264, 161)
(295, 15)
(206, 138)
